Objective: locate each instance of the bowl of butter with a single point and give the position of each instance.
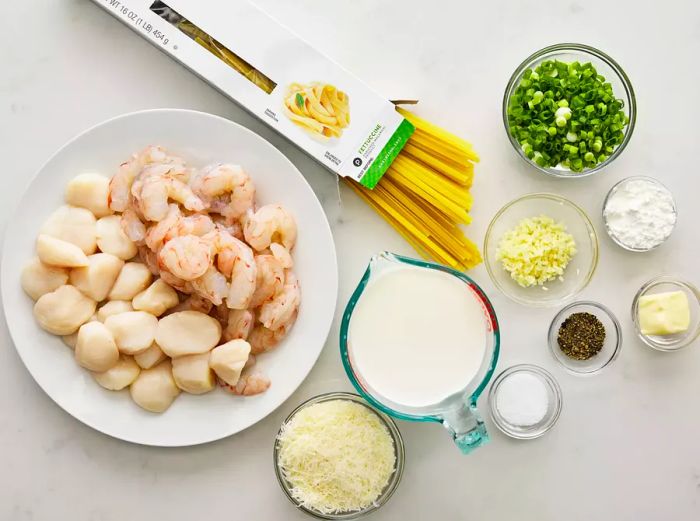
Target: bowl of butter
(666, 313)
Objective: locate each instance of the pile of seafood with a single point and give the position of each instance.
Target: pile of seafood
(145, 275)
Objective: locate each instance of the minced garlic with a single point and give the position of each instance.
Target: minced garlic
(337, 456)
(536, 251)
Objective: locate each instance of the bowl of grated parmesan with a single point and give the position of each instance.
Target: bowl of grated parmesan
(336, 457)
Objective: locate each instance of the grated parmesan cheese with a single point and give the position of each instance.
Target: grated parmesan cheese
(536, 251)
(338, 456)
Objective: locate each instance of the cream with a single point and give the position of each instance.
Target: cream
(417, 335)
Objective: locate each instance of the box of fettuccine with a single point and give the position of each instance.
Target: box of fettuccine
(278, 77)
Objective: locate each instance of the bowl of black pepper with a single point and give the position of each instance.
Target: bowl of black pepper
(585, 337)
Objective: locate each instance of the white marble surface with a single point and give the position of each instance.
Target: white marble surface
(627, 445)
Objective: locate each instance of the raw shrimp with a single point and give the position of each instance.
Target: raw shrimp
(183, 286)
(156, 234)
(251, 382)
(218, 205)
(132, 226)
(196, 224)
(238, 324)
(176, 170)
(279, 311)
(150, 259)
(269, 281)
(149, 176)
(262, 339)
(156, 191)
(212, 285)
(250, 362)
(187, 257)
(282, 255)
(175, 225)
(234, 228)
(120, 184)
(217, 180)
(235, 260)
(223, 250)
(243, 277)
(270, 223)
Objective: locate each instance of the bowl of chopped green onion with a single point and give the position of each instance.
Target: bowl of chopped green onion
(569, 110)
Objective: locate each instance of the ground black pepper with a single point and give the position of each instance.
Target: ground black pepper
(581, 336)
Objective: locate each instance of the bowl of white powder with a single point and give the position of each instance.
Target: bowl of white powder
(639, 213)
(525, 401)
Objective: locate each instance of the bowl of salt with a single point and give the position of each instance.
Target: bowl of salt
(525, 401)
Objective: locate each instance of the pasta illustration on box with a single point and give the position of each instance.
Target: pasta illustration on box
(319, 108)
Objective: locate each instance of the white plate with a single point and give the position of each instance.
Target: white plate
(200, 138)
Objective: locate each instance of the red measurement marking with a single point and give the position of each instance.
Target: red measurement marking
(489, 312)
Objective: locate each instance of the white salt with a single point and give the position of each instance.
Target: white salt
(522, 399)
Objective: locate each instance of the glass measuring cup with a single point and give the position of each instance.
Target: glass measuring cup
(457, 412)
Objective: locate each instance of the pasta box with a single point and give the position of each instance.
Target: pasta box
(281, 79)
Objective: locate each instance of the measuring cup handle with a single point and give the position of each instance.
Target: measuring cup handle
(467, 428)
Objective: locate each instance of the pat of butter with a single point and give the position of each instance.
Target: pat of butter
(664, 313)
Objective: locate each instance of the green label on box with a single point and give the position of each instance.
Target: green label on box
(387, 155)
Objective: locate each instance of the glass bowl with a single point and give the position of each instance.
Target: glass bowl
(614, 189)
(606, 66)
(394, 479)
(580, 269)
(604, 357)
(554, 406)
(678, 340)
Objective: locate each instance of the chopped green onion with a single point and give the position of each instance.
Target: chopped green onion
(563, 112)
(566, 114)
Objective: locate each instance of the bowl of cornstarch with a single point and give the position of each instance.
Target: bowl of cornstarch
(639, 213)
(525, 401)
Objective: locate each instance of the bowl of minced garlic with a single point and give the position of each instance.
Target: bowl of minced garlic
(541, 250)
(336, 457)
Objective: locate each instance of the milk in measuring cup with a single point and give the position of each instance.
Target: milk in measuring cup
(417, 335)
